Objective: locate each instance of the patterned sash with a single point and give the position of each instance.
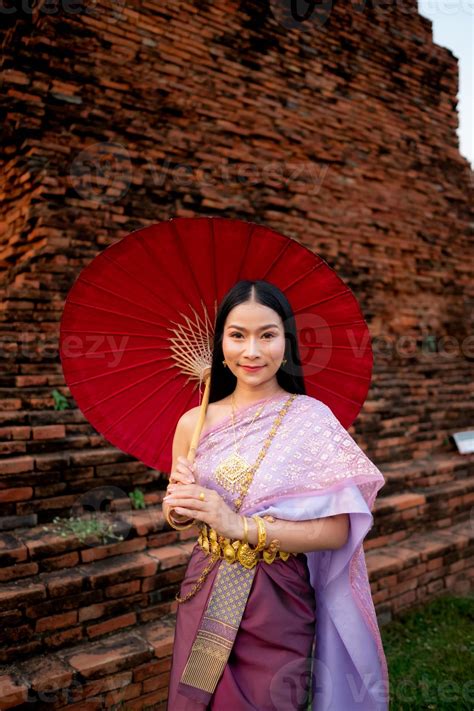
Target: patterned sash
(217, 631)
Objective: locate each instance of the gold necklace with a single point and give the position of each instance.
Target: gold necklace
(231, 471)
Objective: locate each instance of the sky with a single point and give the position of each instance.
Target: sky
(453, 27)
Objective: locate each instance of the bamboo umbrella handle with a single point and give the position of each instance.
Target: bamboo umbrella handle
(200, 422)
(180, 518)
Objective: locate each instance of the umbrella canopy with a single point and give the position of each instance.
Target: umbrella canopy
(137, 328)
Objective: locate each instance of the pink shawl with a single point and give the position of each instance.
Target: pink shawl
(312, 469)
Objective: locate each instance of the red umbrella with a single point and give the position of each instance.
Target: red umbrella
(137, 328)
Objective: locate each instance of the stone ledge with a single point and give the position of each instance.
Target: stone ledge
(140, 656)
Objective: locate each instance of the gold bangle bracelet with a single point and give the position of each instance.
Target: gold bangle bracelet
(245, 539)
(262, 533)
(177, 526)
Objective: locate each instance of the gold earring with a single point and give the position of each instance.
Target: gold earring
(225, 364)
(283, 362)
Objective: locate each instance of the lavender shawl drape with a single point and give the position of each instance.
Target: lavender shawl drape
(313, 469)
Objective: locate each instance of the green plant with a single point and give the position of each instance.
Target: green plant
(430, 652)
(84, 527)
(60, 401)
(429, 343)
(137, 499)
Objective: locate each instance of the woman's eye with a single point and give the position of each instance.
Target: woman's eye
(265, 334)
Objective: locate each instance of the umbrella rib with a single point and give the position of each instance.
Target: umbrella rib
(345, 292)
(136, 404)
(184, 254)
(277, 257)
(119, 370)
(213, 257)
(142, 431)
(129, 274)
(313, 268)
(129, 350)
(150, 423)
(336, 325)
(109, 333)
(118, 392)
(171, 431)
(243, 259)
(152, 259)
(119, 296)
(116, 313)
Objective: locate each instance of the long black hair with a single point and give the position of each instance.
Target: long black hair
(290, 375)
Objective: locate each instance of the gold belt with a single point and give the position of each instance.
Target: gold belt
(212, 542)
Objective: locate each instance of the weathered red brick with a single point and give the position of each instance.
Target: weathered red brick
(161, 638)
(58, 640)
(100, 686)
(10, 404)
(12, 550)
(17, 494)
(12, 693)
(100, 552)
(46, 673)
(55, 622)
(151, 669)
(169, 556)
(119, 696)
(116, 623)
(59, 562)
(16, 465)
(17, 571)
(15, 433)
(49, 432)
(119, 569)
(12, 595)
(123, 589)
(108, 656)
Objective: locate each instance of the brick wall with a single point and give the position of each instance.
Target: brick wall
(340, 133)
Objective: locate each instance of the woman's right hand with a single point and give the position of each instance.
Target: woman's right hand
(182, 474)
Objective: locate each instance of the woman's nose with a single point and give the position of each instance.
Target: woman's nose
(252, 349)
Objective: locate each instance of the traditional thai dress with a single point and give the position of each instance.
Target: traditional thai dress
(299, 630)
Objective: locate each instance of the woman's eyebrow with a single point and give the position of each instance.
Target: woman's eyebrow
(241, 328)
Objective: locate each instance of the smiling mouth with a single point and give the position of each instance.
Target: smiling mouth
(252, 367)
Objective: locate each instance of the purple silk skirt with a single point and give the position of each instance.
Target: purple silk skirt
(269, 667)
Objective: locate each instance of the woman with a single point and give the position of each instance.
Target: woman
(284, 493)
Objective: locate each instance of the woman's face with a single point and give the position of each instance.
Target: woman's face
(253, 336)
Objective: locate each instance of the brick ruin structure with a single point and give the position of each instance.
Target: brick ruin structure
(339, 131)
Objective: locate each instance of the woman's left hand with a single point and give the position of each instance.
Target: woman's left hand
(184, 499)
